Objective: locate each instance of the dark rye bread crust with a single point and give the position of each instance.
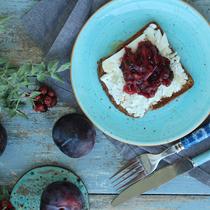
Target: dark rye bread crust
(163, 101)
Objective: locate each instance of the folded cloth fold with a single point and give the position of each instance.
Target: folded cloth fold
(54, 25)
(45, 21)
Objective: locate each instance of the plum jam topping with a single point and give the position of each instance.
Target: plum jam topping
(145, 70)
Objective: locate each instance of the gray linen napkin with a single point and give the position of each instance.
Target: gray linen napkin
(54, 25)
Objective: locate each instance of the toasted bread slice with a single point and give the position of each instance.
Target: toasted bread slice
(164, 100)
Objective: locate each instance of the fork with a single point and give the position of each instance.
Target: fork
(145, 164)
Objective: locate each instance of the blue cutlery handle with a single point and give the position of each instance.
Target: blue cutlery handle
(196, 137)
(202, 158)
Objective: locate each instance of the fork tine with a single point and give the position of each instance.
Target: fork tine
(130, 168)
(129, 164)
(130, 173)
(135, 179)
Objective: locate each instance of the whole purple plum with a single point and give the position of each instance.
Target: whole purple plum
(74, 135)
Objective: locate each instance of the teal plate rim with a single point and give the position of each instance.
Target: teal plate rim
(79, 183)
(169, 140)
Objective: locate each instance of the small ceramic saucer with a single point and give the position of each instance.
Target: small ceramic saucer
(26, 194)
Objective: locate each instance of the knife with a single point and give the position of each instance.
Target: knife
(161, 176)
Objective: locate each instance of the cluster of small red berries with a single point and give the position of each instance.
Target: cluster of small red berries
(47, 99)
(6, 205)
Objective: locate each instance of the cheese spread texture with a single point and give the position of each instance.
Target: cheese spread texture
(138, 105)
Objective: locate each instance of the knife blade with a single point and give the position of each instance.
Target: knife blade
(160, 177)
(154, 180)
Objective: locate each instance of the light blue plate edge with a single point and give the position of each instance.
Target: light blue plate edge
(142, 143)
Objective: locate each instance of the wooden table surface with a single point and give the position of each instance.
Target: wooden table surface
(30, 142)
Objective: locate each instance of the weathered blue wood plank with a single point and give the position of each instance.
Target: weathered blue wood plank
(15, 7)
(31, 145)
(14, 43)
(154, 203)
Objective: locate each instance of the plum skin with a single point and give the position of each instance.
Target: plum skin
(61, 195)
(74, 135)
(3, 139)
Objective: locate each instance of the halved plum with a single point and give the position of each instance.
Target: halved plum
(3, 139)
(74, 135)
(62, 195)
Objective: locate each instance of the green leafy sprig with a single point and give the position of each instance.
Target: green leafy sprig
(17, 84)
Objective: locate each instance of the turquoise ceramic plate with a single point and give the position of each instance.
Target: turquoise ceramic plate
(189, 35)
(27, 192)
